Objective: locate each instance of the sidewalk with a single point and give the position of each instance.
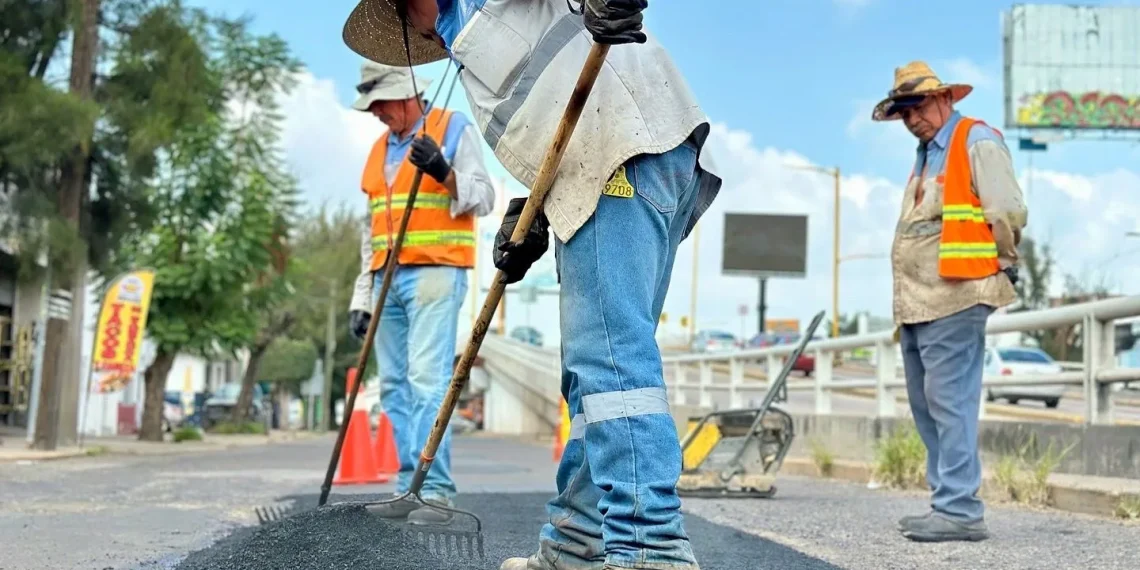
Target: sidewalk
(16, 449)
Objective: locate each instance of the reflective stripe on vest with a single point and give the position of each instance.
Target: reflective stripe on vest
(967, 249)
(433, 237)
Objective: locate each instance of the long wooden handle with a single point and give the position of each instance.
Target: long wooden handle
(366, 350)
(542, 184)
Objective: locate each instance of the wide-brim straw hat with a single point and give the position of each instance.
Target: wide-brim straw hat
(380, 82)
(913, 82)
(374, 30)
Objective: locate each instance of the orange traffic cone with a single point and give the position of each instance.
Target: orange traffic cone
(387, 458)
(357, 465)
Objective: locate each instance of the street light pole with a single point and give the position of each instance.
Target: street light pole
(835, 173)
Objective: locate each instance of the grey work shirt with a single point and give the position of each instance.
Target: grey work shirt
(920, 293)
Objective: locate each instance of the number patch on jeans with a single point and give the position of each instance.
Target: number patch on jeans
(619, 185)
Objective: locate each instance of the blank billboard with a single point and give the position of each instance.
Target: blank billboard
(1072, 67)
(765, 245)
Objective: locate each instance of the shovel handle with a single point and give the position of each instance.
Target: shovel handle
(542, 184)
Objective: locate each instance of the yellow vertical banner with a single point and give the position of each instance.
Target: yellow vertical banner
(119, 330)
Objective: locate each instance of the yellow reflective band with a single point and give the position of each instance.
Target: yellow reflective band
(967, 250)
(963, 213)
(426, 201)
(427, 238)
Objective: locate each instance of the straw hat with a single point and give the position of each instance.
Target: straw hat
(386, 83)
(374, 30)
(913, 82)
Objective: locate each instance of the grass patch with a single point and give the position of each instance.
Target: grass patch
(823, 458)
(187, 433)
(900, 459)
(1129, 508)
(1023, 477)
(96, 450)
(230, 428)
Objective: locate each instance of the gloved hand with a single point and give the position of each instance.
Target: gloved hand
(358, 323)
(429, 158)
(515, 259)
(615, 21)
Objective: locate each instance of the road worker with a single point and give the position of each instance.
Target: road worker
(416, 336)
(633, 182)
(954, 262)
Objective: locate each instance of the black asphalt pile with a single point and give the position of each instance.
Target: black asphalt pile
(334, 537)
(346, 537)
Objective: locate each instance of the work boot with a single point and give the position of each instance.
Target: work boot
(910, 519)
(396, 509)
(428, 515)
(938, 528)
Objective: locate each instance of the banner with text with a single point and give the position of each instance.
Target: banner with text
(119, 332)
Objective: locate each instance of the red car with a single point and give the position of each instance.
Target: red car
(805, 363)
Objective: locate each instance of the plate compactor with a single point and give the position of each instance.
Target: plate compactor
(737, 453)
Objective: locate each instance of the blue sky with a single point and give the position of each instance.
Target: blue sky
(785, 82)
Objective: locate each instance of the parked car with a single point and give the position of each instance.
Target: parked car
(529, 335)
(218, 407)
(713, 341)
(804, 364)
(172, 414)
(1019, 361)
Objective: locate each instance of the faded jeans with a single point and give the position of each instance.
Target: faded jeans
(943, 363)
(415, 350)
(617, 501)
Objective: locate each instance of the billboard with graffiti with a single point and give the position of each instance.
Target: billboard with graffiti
(1072, 67)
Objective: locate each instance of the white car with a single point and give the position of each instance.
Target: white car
(1021, 361)
(714, 341)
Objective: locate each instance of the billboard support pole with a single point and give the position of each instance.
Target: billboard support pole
(763, 303)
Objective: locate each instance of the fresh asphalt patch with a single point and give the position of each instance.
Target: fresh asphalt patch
(342, 535)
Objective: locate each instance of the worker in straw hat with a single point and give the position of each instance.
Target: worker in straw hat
(415, 338)
(633, 182)
(953, 258)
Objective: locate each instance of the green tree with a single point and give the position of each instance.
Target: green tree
(220, 195)
(288, 362)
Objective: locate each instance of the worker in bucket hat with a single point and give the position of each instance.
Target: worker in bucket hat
(954, 263)
(415, 338)
(634, 180)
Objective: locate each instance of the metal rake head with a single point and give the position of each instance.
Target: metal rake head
(266, 515)
(447, 543)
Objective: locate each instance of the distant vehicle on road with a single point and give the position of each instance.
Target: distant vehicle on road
(529, 335)
(1017, 361)
(219, 406)
(713, 341)
(804, 364)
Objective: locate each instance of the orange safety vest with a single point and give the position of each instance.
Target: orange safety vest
(967, 249)
(433, 237)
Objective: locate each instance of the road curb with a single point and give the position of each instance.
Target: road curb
(1067, 493)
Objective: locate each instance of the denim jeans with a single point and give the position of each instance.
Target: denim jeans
(943, 361)
(617, 501)
(415, 349)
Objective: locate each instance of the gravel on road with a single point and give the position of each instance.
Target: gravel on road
(854, 528)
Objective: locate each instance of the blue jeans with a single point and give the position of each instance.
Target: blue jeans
(617, 501)
(415, 350)
(943, 361)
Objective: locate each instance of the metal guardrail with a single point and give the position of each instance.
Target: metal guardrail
(1095, 375)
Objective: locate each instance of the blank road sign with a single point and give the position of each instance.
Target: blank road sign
(765, 245)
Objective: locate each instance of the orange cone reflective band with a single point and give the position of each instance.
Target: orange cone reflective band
(967, 249)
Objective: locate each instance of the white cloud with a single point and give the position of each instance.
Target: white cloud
(964, 70)
(1083, 217)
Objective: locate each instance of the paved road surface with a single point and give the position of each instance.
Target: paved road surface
(152, 512)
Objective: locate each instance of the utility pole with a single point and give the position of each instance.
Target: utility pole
(693, 293)
(835, 264)
(330, 349)
(59, 388)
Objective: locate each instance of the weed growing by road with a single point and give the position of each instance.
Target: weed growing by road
(900, 458)
(96, 450)
(228, 428)
(1025, 479)
(1129, 508)
(823, 457)
(187, 433)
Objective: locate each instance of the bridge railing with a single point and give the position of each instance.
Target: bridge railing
(1096, 373)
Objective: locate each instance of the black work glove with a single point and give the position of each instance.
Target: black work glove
(514, 259)
(429, 158)
(358, 323)
(615, 21)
